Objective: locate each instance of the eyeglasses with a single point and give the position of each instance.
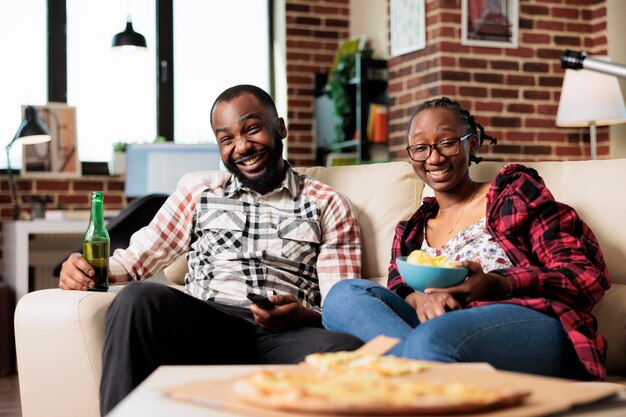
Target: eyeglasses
(446, 147)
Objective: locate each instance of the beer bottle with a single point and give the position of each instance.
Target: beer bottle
(96, 243)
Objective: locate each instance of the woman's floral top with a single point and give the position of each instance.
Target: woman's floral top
(473, 243)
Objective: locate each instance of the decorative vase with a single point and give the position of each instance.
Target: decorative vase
(119, 163)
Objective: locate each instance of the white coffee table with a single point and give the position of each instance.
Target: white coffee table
(148, 400)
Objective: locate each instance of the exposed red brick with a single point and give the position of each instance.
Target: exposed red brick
(305, 20)
(472, 63)
(521, 52)
(298, 32)
(537, 149)
(325, 10)
(327, 34)
(506, 149)
(504, 93)
(536, 67)
(504, 65)
(550, 25)
(497, 121)
(42, 185)
(482, 77)
(515, 135)
(534, 122)
(473, 91)
(455, 76)
(535, 38)
(534, 10)
(536, 95)
(291, 7)
(337, 23)
(520, 108)
(519, 80)
(567, 40)
(75, 199)
(490, 106)
(568, 13)
(551, 81)
(88, 185)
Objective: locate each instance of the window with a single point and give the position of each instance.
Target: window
(114, 92)
(215, 44)
(23, 77)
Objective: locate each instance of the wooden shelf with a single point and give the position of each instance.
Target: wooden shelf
(368, 86)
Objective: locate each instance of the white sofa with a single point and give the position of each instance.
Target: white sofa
(59, 334)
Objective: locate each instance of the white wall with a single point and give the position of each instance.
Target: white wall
(369, 17)
(616, 11)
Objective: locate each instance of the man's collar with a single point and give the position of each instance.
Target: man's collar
(291, 183)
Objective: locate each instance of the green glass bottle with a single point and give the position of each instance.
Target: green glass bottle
(96, 243)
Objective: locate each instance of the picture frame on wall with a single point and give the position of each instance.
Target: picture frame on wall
(59, 156)
(490, 23)
(407, 26)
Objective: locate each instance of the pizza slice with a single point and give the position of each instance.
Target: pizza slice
(356, 361)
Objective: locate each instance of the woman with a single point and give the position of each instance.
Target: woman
(535, 269)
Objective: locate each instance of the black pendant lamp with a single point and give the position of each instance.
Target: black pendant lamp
(129, 40)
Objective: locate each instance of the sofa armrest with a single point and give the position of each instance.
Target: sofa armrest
(59, 337)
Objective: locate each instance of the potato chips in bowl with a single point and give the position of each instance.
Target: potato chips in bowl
(421, 270)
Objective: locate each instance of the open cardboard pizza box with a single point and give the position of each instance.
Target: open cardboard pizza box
(547, 395)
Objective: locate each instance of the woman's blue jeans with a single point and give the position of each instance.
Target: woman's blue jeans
(507, 336)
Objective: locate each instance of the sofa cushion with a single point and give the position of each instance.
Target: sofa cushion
(382, 195)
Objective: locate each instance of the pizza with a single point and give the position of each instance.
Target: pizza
(356, 361)
(349, 383)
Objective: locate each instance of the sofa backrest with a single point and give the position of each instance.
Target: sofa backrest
(382, 195)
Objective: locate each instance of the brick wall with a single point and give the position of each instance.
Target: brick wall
(314, 29)
(513, 92)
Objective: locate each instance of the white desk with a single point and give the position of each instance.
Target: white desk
(15, 249)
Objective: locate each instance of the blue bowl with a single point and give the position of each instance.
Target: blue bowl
(420, 277)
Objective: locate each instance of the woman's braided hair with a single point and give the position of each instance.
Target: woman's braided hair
(464, 116)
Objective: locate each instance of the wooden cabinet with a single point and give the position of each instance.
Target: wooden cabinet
(367, 87)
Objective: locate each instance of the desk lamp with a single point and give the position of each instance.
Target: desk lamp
(30, 132)
(590, 98)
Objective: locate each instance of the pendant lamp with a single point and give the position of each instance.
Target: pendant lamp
(129, 40)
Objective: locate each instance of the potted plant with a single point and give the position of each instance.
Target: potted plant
(119, 158)
(342, 93)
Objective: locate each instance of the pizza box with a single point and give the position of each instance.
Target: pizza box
(547, 395)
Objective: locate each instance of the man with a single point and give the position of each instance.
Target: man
(264, 230)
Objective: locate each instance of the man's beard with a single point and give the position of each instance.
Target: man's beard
(268, 178)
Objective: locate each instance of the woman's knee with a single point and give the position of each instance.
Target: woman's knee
(431, 340)
(348, 288)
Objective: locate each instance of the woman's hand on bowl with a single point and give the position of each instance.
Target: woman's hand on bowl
(479, 286)
(429, 306)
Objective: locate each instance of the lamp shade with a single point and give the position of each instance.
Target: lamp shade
(128, 39)
(31, 130)
(590, 97)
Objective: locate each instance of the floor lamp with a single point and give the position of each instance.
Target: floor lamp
(30, 132)
(590, 98)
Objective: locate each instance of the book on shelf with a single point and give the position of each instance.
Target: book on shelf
(377, 123)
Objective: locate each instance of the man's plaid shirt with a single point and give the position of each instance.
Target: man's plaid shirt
(558, 267)
(299, 239)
